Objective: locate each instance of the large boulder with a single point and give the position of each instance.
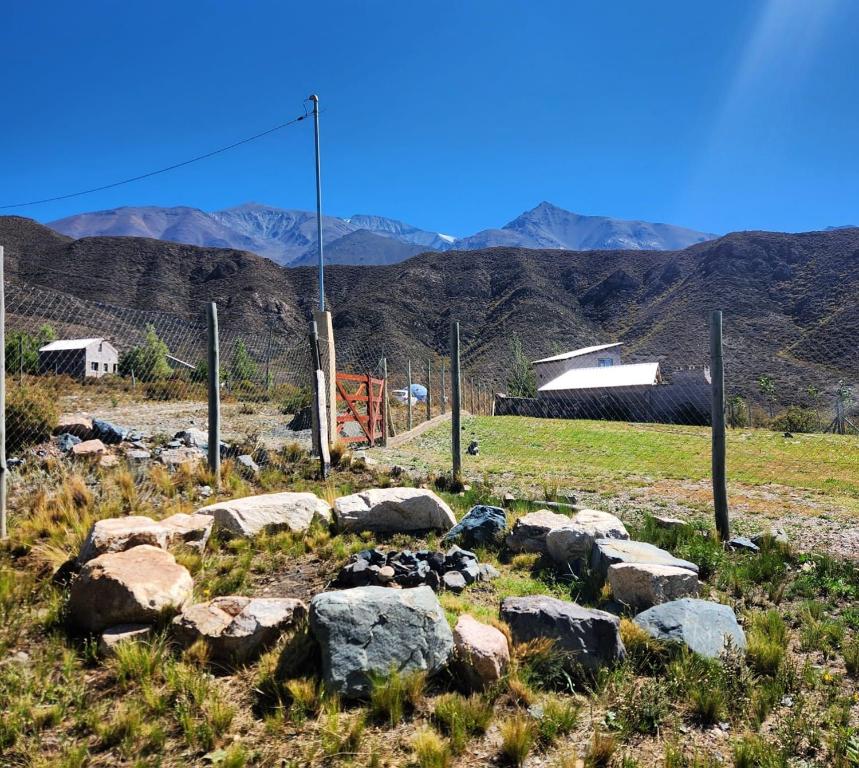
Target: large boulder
(483, 526)
(481, 652)
(607, 552)
(702, 626)
(642, 585)
(79, 426)
(575, 540)
(236, 629)
(592, 636)
(250, 515)
(369, 631)
(117, 534)
(389, 510)
(530, 531)
(138, 586)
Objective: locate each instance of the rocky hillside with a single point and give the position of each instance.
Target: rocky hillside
(790, 301)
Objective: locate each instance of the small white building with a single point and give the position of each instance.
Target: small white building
(79, 358)
(599, 356)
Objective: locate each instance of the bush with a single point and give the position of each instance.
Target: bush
(31, 415)
(517, 738)
(461, 718)
(796, 419)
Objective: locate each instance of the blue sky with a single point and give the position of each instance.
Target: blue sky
(453, 116)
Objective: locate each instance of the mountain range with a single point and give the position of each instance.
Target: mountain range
(288, 237)
(789, 300)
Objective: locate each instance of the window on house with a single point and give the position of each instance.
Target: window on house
(94, 366)
(605, 362)
(115, 367)
(106, 368)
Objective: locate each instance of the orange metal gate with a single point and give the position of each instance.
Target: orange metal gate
(363, 397)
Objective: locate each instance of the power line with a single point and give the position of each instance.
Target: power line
(160, 170)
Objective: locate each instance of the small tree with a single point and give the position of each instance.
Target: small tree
(813, 398)
(22, 349)
(242, 368)
(737, 411)
(521, 381)
(767, 388)
(148, 361)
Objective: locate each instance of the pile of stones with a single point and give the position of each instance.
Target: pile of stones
(452, 570)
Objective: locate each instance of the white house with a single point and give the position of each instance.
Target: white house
(80, 358)
(599, 356)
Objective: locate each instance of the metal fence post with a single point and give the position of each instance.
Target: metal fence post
(717, 377)
(320, 423)
(214, 376)
(455, 434)
(443, 393)
(409, 394)
(3, 530)
(429, 389)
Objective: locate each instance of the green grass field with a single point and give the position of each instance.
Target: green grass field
(765, 469)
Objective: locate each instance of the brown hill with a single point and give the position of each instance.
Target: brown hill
(790, 300)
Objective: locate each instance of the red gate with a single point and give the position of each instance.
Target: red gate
(364, 400)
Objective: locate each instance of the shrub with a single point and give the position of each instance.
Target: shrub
(31, 415)
(796, 419)
(389, 696)
(430, 749)
(851, 657)
(645, 709)
(601, 750)
(558, 719)
(542, 664)
(708, 704)
(517, 738)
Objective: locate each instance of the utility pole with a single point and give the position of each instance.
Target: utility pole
(315, 99)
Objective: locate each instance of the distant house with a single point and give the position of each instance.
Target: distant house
(593, 383)
(79, 358)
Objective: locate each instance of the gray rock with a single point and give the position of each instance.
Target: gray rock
(67, 441)
(371, 630)
(247, 465)
(236, 629)
(108, 433)
(669, 522)
(742, 544)
(530, 531)
(575, 540)
(488, 572)
(122, 633)
(482, 526)
(776, 534)
(607, 552)
(138, 455)
(390, 510)
(642, 585)
(700, 625)
(176, 457)
(593, 636)
(193, 438)
(453, 581)
(250, 515)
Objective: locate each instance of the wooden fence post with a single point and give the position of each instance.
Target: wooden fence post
(385, 402)
(214, 377)
(429, 389)
(409, 395)
(717, 377)
(455, 427)
(3, 530)
(320, 423)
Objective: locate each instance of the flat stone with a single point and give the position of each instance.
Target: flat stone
(742, 544)
(575, 540)
(247, 465)
(701, 625)
(669, 522)
(193, 438)
(776, 534)
(530, 531)
(389, 510)
(453, 581)
(483, 526)
(592, 636)
(370, 630)
(117, 534)
(138, 455)
(642, 585)
(123, 633)
(481, 653)
(251, 515)
(137, 586)
(607, 552)
(89, 448)
(189, 530)
(176, 457)
(79, 426)
(236, 629)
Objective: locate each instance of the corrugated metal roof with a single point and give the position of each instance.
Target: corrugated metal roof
(66, 344)
(578, 353)
(635, 375)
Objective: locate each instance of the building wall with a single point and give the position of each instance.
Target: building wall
(102, 359)
(546, 372)
(68, 362)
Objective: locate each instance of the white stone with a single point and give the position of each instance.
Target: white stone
(250, 515)
(116, 534)
(530, 531)
(191, 530)
(642, 585)
(388, 510)
(123, 633)
(575, 540)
